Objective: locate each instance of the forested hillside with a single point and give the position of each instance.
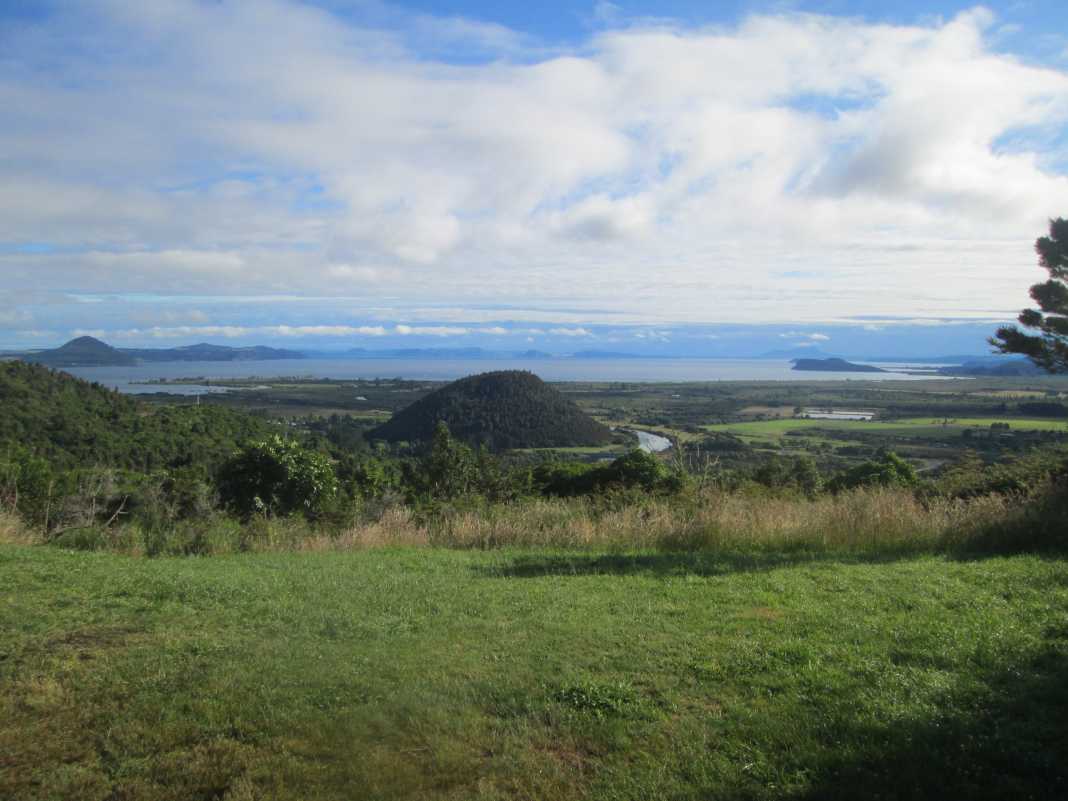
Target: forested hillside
(502, 410)
(74, 423)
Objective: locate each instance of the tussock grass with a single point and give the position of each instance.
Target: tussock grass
(877, 520)
(869, 520)
(14, 532)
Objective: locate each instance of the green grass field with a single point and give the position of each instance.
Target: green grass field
(769, 430)
(533, 674)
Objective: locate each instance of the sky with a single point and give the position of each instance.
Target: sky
(658, 177)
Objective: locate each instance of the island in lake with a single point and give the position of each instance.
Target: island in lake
(834, 366)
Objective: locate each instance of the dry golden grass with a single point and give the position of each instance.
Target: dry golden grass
(881, 519)
(13, 531)
(875, 519)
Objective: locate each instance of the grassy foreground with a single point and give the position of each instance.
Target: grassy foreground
(536, 673)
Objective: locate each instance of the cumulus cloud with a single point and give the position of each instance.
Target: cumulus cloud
(665, 173)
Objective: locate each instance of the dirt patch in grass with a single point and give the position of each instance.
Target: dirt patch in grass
(92, 638)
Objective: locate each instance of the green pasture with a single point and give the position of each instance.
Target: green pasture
(910, 427)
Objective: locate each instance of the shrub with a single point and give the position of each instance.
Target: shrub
(28, 487)
(889, 471)
(277, 477)
(634, 470)
(798, 473)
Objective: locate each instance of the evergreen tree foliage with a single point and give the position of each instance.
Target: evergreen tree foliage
(500, 410)
(450, 469)
(1049, 347)
(72, 423)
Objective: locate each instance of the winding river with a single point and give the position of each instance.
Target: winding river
(653, 443)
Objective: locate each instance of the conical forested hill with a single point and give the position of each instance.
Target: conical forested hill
(505, 409)
(81, 352)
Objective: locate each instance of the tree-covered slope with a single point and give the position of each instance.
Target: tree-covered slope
(74, 423)
(505, 409)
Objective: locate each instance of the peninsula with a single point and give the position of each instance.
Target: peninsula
(834, 366)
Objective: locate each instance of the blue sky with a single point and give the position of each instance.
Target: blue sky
(677, 176)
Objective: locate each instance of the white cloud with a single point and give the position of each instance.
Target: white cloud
(233, 331)
(10, 318)
(431, 330)
(652, 174)
(329, 330)
(570, 332)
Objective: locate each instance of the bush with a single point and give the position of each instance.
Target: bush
(277, 477)
(890, 471)
(798, 473)
(1026, 475)
(634, 470)
(28, 487)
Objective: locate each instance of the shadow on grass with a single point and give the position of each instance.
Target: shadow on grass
(1039, 528)
(722, 563)
(677, 563)
(1007, 738)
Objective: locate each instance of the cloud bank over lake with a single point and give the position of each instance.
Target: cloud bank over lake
(188, 170)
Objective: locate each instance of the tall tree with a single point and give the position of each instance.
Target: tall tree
(1048, 348)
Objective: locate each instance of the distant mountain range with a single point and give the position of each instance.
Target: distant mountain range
(994, 367)
(91, 352)
(468, 354)
(211, 353)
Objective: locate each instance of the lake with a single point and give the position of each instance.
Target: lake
(131, 379)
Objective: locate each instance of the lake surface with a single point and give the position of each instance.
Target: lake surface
(131, 379)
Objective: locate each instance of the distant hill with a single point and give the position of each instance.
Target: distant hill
(504, 409)
(944, 359)
(472, 353)
(994, 367)
(80, 352)
(91, 352)
(74, 423)
(834, 366)
(203, 352)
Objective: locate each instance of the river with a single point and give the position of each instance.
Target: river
(652, 443)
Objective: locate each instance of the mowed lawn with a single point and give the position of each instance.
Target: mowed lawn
(424, 673)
